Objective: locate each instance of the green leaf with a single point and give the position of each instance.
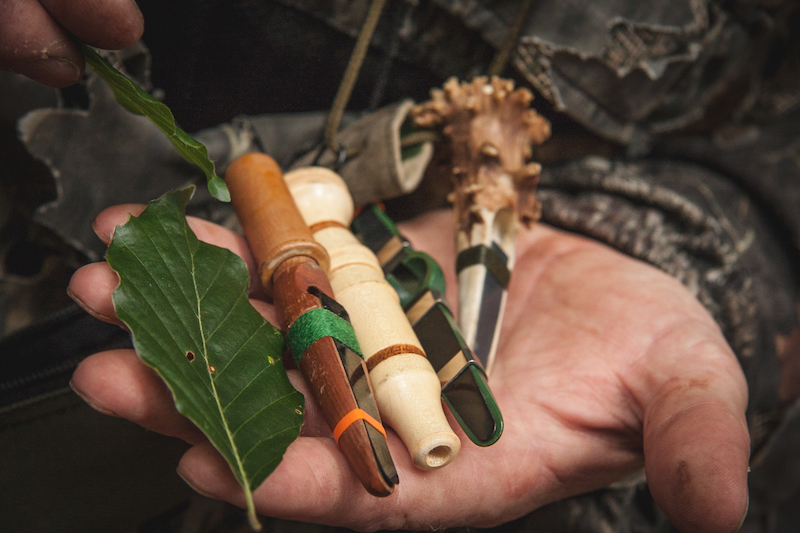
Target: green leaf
(138, 101)
(185, 303)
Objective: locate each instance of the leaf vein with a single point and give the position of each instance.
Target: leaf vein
(255, 414)
(239, 466)
(157, 289)
(255, 333)
(273, 436)
(246, 386)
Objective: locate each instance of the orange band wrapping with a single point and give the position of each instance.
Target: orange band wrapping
(354, 416)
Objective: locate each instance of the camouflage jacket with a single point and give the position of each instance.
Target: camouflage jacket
(675, 141)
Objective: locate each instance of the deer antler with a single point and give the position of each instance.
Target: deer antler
(491, 128)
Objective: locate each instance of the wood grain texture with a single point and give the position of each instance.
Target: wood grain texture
(406, 387)
(293, 279)
(291, 266)
(273, 226)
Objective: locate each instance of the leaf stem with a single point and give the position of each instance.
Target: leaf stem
(251, 511)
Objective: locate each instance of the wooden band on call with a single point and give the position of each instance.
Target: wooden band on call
(351, 418)
(291, 268)
(390, 351)
(326, 224)
(407, 389)
(274, 228)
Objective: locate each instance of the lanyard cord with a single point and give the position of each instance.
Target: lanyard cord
(340, 101)
(351, 75)
(500, 59)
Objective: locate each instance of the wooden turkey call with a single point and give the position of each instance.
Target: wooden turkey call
(318, 331)
(407, 389)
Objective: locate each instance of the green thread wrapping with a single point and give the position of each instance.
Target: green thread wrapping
(315, 324)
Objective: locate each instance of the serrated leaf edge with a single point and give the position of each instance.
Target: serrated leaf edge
(245, 480)
(160, 115)
(248, 492)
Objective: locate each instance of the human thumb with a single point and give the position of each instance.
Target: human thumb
(697, 449)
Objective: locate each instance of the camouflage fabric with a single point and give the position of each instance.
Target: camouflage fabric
(675, 141)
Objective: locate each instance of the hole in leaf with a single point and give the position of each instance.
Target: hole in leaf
(190, 355)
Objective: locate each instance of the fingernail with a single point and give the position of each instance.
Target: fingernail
(90, 402)
(64, 67)
(85, 307)
(104, 237)
(58, 71)
(193, 486)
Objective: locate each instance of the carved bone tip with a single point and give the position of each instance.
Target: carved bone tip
(490, 150)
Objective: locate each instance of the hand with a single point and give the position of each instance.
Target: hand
(606, 365)
(35, 35)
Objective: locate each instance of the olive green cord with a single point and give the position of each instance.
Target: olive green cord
(351, 74)
(500, 59)
(345, 90)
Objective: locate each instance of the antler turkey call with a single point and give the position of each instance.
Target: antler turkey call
(407, 388)
(491, 130)
(320, 337)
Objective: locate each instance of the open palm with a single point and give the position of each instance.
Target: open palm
(605, 365)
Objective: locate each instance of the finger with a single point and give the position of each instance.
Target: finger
(108, 219)
(110, 24)
(91, 287)
(118, 383)
(34, 45)
(697, 445)
(314, 483)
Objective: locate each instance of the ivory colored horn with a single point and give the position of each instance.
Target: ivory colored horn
(407, 389)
